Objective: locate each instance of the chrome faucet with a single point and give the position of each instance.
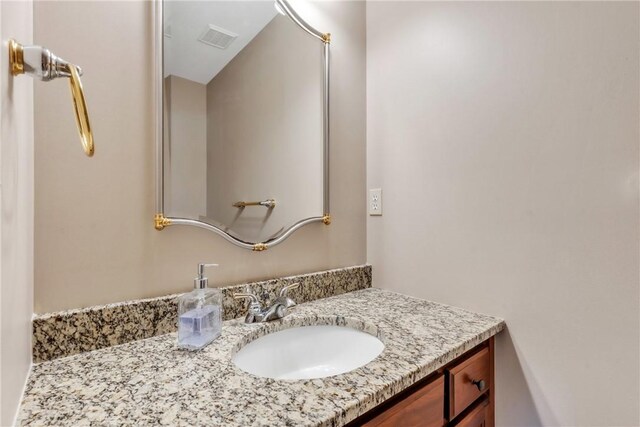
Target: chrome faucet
(277, 310)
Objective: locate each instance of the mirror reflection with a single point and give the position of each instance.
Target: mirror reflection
(243, 107)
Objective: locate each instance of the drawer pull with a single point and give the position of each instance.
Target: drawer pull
(479, 383)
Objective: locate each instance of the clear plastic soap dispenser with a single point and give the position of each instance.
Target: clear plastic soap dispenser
(199, 313)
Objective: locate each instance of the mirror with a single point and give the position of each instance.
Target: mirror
(243, 136)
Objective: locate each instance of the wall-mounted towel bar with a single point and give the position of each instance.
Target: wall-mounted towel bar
(269, 203)
(42, 64)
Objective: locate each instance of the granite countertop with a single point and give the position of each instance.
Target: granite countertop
(150, 382)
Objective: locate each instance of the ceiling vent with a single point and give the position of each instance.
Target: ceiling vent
(217, 37)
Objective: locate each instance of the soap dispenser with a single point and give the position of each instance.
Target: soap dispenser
(199, 313)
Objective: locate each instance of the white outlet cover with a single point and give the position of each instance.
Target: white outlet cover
(375, 202)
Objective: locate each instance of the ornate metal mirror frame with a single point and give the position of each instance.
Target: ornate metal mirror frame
(161, 221)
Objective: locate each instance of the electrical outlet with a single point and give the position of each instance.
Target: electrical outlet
(375, 201)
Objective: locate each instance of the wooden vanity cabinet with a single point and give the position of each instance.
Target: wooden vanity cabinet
(459, 394)
(421, 407)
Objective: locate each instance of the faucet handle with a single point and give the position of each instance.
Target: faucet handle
(285, 289)
(284, 299)
(255, 309)
(241, 295)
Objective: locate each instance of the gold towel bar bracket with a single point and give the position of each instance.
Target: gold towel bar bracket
(16, 57)
(161, 221)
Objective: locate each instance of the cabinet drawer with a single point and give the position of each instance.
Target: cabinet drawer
(477, 417)
(424, 408)
(468, 380)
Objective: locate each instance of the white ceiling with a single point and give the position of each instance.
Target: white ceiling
(186, 57)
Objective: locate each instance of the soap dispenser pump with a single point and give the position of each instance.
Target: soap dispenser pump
(199, 313)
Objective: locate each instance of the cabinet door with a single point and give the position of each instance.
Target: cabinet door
(424, 408)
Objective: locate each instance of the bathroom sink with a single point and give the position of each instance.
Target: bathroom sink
(308, 352)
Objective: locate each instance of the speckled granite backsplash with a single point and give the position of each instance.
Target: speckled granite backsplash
(75, 331)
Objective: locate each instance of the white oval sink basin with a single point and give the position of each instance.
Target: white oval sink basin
(308, 352)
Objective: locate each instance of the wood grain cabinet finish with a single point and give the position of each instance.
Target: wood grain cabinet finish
(460, 394)
(468, 380)
(422, 408)
(477, 417)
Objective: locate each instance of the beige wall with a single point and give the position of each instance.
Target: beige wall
(264, 132)
(505, 139)
(186, 182)
(94, 238)
(16, 206)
